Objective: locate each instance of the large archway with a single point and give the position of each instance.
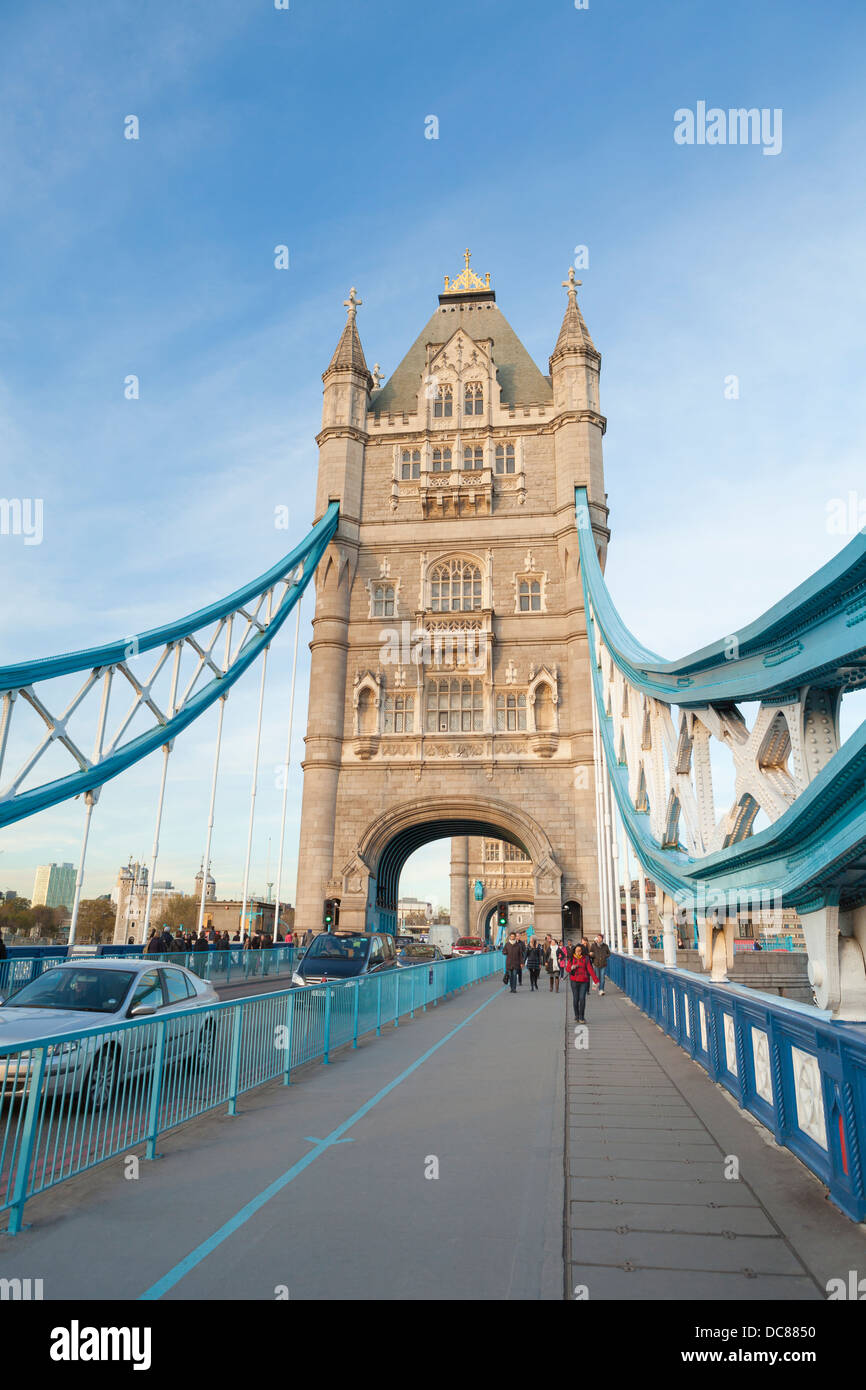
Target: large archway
(371, 878)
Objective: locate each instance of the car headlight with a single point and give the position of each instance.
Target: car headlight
(297, 980)
(72, 1046)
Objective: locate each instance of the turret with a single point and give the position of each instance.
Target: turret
(346, 397)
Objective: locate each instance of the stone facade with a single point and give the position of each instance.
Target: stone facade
(449, 688)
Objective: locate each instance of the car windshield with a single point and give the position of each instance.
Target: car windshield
(328, 947)
(469, 941)
(88, 990)
(417, 952)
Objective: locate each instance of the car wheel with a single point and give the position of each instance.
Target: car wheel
(101, 1080)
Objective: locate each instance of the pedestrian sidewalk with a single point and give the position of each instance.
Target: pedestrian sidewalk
(650, 1213)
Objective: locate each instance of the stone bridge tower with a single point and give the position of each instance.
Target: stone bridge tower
(449, 688)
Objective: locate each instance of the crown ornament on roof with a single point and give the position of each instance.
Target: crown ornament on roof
(467, 280)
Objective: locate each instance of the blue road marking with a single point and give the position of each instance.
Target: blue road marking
(255, 1205)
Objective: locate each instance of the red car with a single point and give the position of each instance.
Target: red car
(468, 946)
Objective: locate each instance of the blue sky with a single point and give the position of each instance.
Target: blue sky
(305, 127)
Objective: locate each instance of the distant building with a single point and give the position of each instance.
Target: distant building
(54, 886)
(131, 900)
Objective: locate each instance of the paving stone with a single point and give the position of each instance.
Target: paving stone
(661, 1190)
(652, 1167)
(683, 1250)
(661, 1216)
(586, 1146)
(644, 1285)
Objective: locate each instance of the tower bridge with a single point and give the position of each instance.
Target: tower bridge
(464, 495)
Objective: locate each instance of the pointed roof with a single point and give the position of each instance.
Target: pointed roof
(574, 334)
(520, 381)
(348, 354)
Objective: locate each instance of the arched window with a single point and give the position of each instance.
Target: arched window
(443, 403)
(454, 706)
(441, 460)
(399, 714)
(510, 712)
(410, 464)
(455, 585)
(505, 458)
(383, 601)
(473, 398)
(529, 595)
(473, 456)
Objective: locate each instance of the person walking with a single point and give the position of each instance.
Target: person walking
(522, 946)
(600, 952)
(154, 945)
(3, 947)
(513, 961)
(580, 972)
(533, 963)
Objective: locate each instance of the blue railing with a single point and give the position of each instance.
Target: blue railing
(233, 966)
(786, 1063)
(76, 1099)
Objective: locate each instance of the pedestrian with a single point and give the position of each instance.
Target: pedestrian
(600, 952)
(580, 972)
(533, 964)
(3, 946)
(522, 944)
(552, 965)
(513, 961)
(154, 945)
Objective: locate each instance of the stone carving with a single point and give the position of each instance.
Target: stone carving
(810, 1099)
(761, 1058)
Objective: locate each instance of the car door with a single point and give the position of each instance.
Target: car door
(140, 1042)
(181, 1032)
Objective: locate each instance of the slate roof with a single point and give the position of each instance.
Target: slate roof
(520, 380)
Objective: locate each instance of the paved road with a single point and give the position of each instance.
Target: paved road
(321, 1189)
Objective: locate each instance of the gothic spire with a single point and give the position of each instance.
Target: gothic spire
(574, 334)
(348, 354)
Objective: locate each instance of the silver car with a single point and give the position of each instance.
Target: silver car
(91, 997)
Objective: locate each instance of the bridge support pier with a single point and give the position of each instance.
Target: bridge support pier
(836, 943)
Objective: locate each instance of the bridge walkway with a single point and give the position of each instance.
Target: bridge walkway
(321, 1190)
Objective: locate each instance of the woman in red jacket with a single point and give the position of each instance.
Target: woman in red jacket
(580, 972)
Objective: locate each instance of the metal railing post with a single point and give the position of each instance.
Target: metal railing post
(326, 1058)
(28, 1138)
(396, 998)
(379, 1010)
(412, 1009)
(357, 1011)
(155, 1093)
(235, 1061)
(290, 1018)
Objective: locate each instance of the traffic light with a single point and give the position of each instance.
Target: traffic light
(328, 916)
(502, 915)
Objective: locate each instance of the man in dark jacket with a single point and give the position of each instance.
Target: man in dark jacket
(513, 960)
(600, 952)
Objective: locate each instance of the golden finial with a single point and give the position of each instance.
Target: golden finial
(467, 280)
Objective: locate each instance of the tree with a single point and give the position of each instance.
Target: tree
(177, 911)
(95, 921)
